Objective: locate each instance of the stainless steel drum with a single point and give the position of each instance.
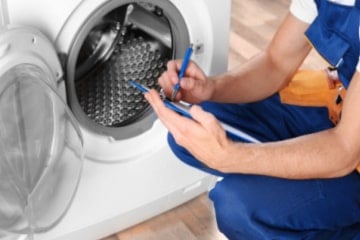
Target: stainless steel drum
(132, 41)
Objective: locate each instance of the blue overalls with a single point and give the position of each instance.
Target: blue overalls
(251, 207)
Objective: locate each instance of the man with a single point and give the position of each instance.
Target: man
(301, 181)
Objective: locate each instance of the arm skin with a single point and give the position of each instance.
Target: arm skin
(330, 153)
(266, 73)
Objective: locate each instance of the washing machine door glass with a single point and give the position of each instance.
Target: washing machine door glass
(40, 152)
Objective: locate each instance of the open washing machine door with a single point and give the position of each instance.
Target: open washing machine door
(41, 147)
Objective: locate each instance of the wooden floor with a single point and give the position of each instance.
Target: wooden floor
(252, 25)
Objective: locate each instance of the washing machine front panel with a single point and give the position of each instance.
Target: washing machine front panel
(77, 27)
(47, 16)
(41, 144)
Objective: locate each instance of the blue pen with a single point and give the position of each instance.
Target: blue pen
(182, 71)
(139, 86)
(177, 107)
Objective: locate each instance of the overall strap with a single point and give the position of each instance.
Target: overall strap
(335, 35)
(357, 4)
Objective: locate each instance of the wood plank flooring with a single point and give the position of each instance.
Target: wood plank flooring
(253, 23)
(192, 221)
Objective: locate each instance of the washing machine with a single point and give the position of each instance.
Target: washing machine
(79, 54)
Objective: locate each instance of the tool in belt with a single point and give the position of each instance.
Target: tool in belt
(316, 88)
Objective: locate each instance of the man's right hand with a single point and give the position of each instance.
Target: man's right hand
(195, 86)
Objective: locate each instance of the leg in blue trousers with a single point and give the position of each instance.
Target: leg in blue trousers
(251, 207)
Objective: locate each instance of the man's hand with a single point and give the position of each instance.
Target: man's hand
(195, 86)
(202, 136)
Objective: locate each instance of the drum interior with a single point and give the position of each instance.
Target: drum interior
(117, 49)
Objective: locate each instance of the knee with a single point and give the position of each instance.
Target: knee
(234, 214)
(182, 154)
(178, 150)
(251, 207)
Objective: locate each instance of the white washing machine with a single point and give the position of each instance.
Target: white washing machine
(79, 55)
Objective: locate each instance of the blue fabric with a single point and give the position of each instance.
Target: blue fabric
(258, 207)
(335, 35)
(250, 207)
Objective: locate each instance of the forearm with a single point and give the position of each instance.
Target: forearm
(267, 72)
(320, 155)
(331, 153)
(255, 80)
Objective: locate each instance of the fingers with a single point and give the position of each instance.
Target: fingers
(168, 117)
(187, 83)
(204, 138)
(169, 78)
(156, 102)
(182, 128)
(207, 120)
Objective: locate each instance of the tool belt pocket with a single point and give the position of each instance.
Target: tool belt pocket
(315, 88)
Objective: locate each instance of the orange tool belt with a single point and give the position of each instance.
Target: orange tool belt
(316, 88)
